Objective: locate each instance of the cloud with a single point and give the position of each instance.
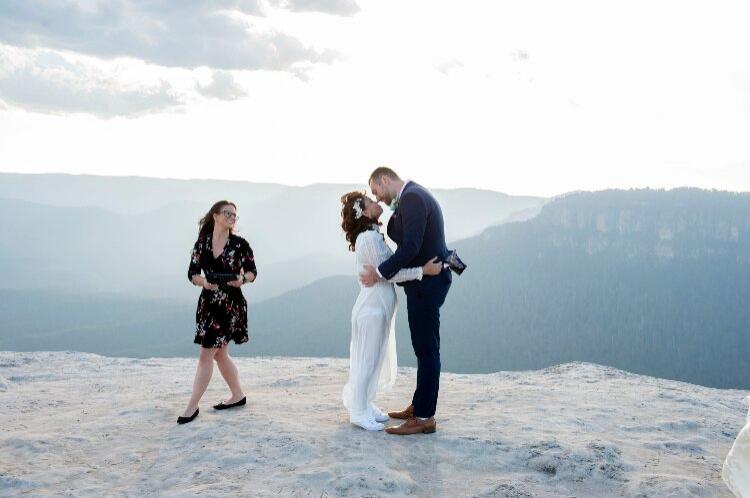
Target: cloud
(186, 33)
(222, 86)
(49, 83)
(65, 51)
(337, 7)
(520, 55)
(447, 67)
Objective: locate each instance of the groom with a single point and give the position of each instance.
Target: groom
(417, 227)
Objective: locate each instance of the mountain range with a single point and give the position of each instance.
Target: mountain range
(650, 281)
(133, 236)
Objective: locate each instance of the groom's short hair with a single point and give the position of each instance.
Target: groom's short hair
(383, 171)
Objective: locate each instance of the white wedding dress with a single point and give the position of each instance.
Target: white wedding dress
(372, 352)
(736, 471)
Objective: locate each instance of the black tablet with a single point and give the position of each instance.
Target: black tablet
(221, 278)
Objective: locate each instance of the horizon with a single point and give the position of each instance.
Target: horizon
(333, 184)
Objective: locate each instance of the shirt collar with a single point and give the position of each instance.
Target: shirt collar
(407, 182)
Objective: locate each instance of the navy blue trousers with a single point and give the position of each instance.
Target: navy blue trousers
(423, 302)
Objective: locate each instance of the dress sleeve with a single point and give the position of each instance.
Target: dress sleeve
(248, 259)
(195, 261)
(365, 249)
(368, 254)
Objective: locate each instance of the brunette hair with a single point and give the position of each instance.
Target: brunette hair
(206, 224)
(349, 223)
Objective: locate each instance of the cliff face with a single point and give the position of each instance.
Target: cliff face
(655, 282)
(681, 223)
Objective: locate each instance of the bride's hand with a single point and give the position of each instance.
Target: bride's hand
(433, 267)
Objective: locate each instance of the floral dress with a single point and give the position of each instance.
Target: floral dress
(221, 314)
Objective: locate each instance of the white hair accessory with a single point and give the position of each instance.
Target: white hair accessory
(358, 209)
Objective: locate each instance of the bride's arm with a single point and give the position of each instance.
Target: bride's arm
(368, 254)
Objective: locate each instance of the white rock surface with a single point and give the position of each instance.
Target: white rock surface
(83, 425)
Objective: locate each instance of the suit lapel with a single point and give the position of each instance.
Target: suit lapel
(395, 226)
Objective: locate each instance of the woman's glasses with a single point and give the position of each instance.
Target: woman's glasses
(230, 215)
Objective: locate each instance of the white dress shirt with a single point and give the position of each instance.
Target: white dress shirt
(407, 182)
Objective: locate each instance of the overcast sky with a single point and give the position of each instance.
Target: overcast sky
(524, 97)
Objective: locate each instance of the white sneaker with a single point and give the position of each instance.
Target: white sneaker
(367, 424)
(377, 414)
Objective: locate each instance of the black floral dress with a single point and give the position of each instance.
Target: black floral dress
(221, 314)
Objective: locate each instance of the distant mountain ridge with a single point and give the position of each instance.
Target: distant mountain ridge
(654, 282)
(133, 235)
(631, 221)
(127, 194)
(663, 292)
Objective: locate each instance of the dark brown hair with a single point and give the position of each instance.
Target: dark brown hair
(383, 171)
(206, 224)
(353, 227)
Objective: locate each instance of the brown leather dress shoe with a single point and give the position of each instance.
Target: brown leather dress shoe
(414, 426)
(406, 414)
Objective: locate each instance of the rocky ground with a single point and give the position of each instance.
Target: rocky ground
(84, 425)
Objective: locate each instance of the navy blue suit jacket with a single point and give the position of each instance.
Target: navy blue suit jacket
(417, 227)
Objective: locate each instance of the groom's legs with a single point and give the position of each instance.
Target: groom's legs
(424, 325)
(425, 338)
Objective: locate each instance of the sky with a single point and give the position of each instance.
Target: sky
(524, 97)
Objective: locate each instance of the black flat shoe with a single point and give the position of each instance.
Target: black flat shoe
(222, 406)
(185, 420)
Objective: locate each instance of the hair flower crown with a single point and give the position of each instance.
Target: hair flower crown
(358, 211)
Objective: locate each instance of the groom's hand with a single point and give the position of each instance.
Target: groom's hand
(369, 277)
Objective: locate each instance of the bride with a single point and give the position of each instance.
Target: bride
(736, 471)
(372, 352)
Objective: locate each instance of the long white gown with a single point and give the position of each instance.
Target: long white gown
(736, 471)
(372, 352)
